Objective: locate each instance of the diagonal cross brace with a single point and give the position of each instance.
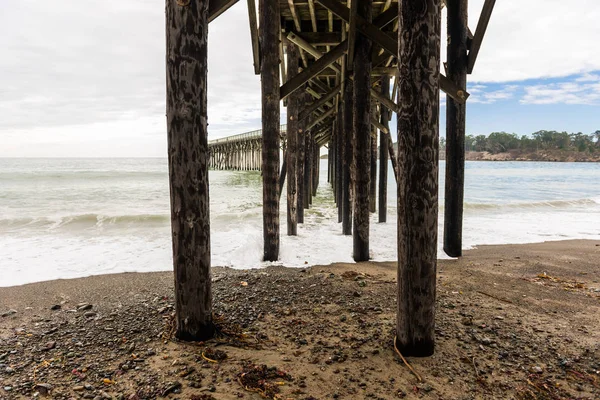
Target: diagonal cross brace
(389, 44)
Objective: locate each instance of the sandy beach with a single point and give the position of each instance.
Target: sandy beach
(513, 322)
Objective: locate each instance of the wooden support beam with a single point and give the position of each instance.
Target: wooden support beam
(294, 15)
(482, 25)
(362, 139)
(348, 138)
(384, 137)
(310, 72)
(339, 131)
(254, 35)
(389, 44)
(321, 38)
(373, 179)
(418, 148)
(351, 31)
(457, 12)
(269, 39)
(187, 136)
(218, 7)
(310, 49)
(375, 122)
(282, 174)
(319, 103)
(389, 104)
(321, 118)
(311, 11)
(292, 145)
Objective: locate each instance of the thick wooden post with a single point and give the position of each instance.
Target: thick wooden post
(307, 170)
(418, 148)
(300, 165)
(383, 152)
(339, 131)
(269, 74)
(292, 144)
(455, 128)
(373, 180)
(347, 132)
(362, 139)
(187, 41)
(316, 167)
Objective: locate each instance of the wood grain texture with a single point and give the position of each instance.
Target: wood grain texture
(383, 152)
(339, 132)
(186, 59)
(362, 136)
(304, 100)
(292, 145)
(348, 132)
(373, 180)
(418, 133)
(455, 127)
(269, 41)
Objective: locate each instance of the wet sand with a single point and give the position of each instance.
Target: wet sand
(513, 321)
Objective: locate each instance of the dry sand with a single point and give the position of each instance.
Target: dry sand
(513, 321)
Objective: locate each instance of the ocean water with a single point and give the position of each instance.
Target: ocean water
(66, 218)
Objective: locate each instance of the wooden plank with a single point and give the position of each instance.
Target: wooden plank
(482, 25)
(254, 35)
(269, 40)
(319, 103)
(218, 7)
(418, 135)
(455, 128)
(187, 137)
(310, 72)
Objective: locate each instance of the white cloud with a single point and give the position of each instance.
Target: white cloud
(480, 94)
(537, 38)
(82, 66)
(577, 92)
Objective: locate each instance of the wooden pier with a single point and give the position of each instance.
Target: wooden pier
(341, 68)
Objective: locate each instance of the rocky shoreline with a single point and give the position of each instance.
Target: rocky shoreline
(514, 321)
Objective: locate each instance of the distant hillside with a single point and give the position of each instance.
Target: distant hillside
(523, 155)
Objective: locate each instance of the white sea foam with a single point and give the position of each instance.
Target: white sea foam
(73, 218)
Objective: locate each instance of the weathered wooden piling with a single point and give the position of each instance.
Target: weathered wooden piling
(418, 141)
(362, 136)
(307, 171)
(300, 165)
(269, 35)
(339, 132)
(373, 179)
(292, 144)
(187, 37)
(347, 130)
(384, 138)
(455, 127)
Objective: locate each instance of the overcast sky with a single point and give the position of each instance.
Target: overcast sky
(87, 78)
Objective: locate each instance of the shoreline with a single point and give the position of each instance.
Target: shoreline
(512, 321)
(445, 258)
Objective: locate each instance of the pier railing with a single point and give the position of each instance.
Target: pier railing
(242, 136)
